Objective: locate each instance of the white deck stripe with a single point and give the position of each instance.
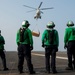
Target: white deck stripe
(44, 55)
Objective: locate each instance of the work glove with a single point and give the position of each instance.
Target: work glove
(42, 45)
(65, 46)
(18, 43)
(31, 47)
(56, 49)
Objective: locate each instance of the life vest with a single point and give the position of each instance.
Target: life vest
(22, 30)
(51, 36)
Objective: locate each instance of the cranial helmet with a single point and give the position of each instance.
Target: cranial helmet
(25, 23)
(70, 23)
(51, 24)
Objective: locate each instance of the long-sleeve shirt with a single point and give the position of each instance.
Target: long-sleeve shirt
(28, 39)
(2, 42)
(46, 40)
(69, 35)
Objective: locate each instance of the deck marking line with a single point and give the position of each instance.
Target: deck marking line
(44, 55)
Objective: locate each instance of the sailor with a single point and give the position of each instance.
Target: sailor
(50, 41)
(25, 46)
(69, 43)
(2, 53)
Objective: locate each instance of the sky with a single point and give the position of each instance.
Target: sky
(12, 13)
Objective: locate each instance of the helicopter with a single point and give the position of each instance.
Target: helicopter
(38, 10)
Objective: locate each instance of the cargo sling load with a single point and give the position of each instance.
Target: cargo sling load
(36, 33)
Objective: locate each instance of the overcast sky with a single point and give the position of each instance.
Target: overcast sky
(12, 13)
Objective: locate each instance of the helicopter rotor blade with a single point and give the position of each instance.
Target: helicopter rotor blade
(29, 7)
(46, 8)
(30, 11)
(41, 12)
(40, 4)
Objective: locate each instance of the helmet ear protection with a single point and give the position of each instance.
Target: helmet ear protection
(25, 23)
(70, 23)
(0, 31)
(51, 25)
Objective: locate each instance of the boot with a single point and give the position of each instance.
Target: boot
(5, 69)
